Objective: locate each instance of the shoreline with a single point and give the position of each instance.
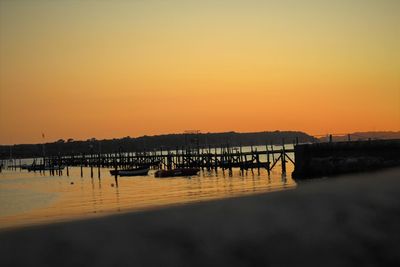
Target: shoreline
(349, 220)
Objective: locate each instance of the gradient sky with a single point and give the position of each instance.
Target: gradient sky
(104, 69)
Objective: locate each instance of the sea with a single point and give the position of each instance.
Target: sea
(33, 198)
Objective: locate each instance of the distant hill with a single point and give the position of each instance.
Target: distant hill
(168, 141)
(363, 136)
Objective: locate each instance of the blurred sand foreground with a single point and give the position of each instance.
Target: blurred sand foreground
(342, 221)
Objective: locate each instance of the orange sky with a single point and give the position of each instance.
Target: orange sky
(105, 69)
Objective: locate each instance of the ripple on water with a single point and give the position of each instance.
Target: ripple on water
(31, 198)
(16, 201)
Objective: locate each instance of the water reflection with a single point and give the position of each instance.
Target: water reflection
(284, 179)
(74, 196)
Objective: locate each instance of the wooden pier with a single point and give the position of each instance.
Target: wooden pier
(225, 158)
(312, 160)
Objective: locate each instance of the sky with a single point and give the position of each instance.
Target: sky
(109, 69)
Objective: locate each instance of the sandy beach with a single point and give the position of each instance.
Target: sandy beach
(342, 221)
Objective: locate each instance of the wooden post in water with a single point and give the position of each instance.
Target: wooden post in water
(252, 158)
(283, 157)
(229, 158)
(241, 163)
(245, 166)
(268, 160)
(209, 158)
(91, 165)
(120, 156)
(215, 159)
(272, 152)
(51, 163)
(82, 165)
(258, 161)
(59, 165)
(98, 165)
(116, 172)
(168, 161)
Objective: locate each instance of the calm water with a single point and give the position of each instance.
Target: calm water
(32, 198)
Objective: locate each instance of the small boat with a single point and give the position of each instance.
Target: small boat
(35, 167)
(130, 172)
(24, 166)
(176, 172)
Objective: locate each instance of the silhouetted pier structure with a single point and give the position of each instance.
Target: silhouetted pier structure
(225, 158)
(312, 160)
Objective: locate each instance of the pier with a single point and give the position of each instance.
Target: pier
(224, 158)
(310, 160)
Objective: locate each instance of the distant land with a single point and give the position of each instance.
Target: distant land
(363, 136)
(174, 141)
(150, 143)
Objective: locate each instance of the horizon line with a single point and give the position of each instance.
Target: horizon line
(183, 133)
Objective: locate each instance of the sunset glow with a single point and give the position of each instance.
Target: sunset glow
(105, 69)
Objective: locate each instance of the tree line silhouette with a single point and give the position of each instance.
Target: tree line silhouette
(151, 143)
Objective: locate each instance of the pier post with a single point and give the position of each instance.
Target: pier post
(283, 157)
(52, 162)
(116, 172)
(241, 160)
(91, 165)
(169, 164)
(215, 159)
(59, 165)
(229, 158)
(252, 159)
(272, 152)
(81, 165)
(268, 160)
(98, 165)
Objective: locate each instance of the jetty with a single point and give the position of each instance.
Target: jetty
(309, 160)
(225, 158)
